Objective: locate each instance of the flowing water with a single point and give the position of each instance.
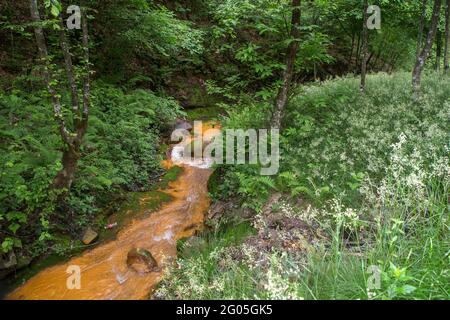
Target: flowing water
(104, 270)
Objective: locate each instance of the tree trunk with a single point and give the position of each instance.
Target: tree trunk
(438, 50)
(370, 59)
(364, 48)
(43, 56)
(447, 35)
(64, 177)
(425, 52)
(375, 62)
(358, 52)
(282, 97)
(421, 28)
(394, 62)
(72, 140)
(351, 50)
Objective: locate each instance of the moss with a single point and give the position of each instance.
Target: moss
(170, 176)
(138, 206)
(208, 113)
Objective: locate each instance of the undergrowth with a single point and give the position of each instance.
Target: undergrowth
(372, 174)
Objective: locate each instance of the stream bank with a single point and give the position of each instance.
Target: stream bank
(105, 273)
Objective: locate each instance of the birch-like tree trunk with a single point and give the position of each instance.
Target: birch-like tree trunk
(364, 47)
(72, 140)
(282, 97)
(447, 36)
(425, 52)
(421, 28)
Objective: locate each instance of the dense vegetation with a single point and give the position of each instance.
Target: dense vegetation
(364, 182)
(364, 171)
(120, 154)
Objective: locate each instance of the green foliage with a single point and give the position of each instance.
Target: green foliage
(375, 168)
(336, 137)
(139, 33)
(254, 35)
(54, 6)
(389, 207)
(120, 153)
(157, 31)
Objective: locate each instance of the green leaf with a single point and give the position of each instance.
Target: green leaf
(45, 236)
(407, 289)
(55, 7)
(55, 11)
(14, 227)
(17, 216)
(7, 244)
(17, 243)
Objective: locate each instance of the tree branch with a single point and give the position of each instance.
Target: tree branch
(86, 84)
(69, 68)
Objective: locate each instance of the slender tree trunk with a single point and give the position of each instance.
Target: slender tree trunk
(394, 62)
(438, 50)
(72, 140)
(447, 35)
(370, 59)
(425, 52)
(351, 50)
(364, 48)
(421, 28)
(358, 52)
(43, 56)
(282, 97)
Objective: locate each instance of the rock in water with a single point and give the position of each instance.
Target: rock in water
(89, 236)
(141, 261)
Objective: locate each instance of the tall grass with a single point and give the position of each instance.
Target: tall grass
(378, 169)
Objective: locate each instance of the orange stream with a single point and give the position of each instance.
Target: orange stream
(104, 271)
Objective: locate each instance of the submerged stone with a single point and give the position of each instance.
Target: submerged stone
(141, 261)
